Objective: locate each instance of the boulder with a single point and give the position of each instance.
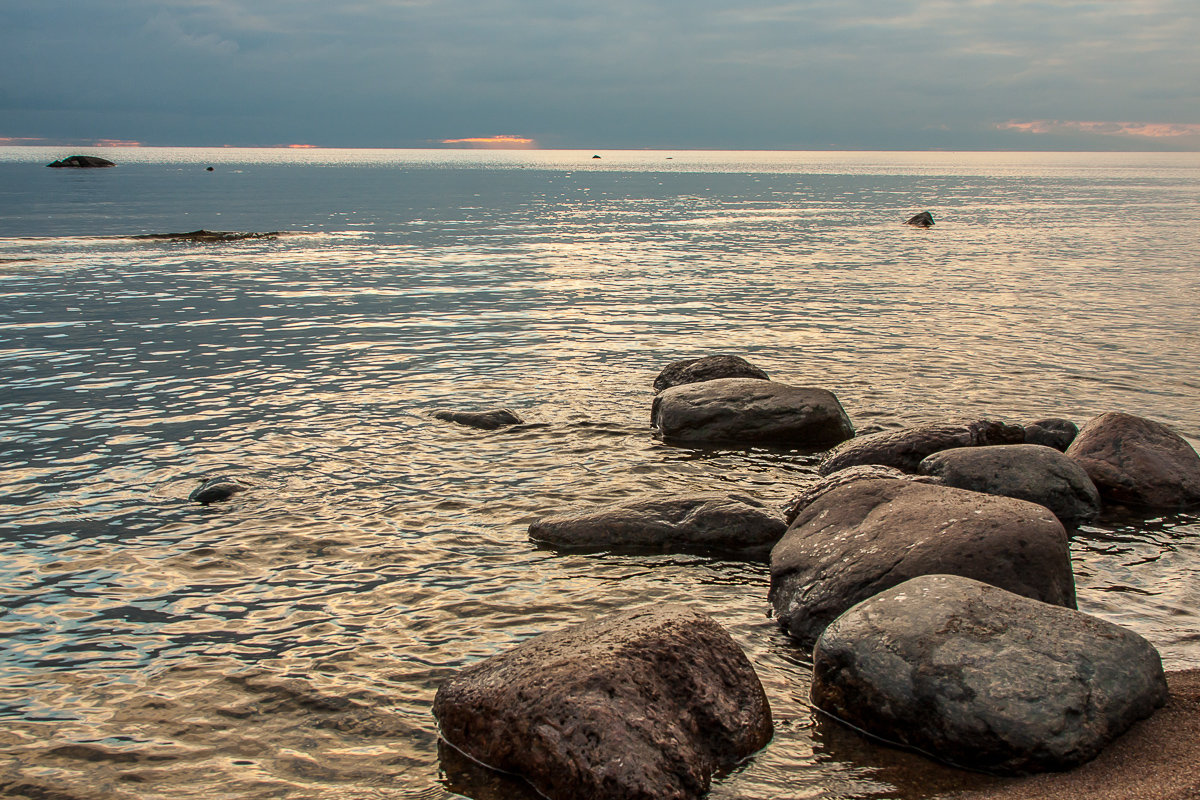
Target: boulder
(859, 539)
(984, 678)
(81, 162)
(904, 449)
(695, 370)
(484, 420)
(1053, 432)
(1030, 472)
(922, 220)
(214, 490)
(809, 494)
(730, 524)
(203, 235)
(644, 704)
(1138, 462)
(747, 411)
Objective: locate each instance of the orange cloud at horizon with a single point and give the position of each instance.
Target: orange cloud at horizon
(503, 140)
(1150, 130)
(302, 146)
(117, 143)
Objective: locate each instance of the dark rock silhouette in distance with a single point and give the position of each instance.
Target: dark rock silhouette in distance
(208, 169)
(484, 420)
(922, 220)
(595, 156)
(214, 490)
(702, 523)
(983, 678)
(81, 162)
(708, 368)
(644, 704)
(203, 235)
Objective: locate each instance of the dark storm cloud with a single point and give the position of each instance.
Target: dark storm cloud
(749, 74)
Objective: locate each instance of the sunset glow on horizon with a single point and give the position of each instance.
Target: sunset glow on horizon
(1150, 130)
(502, 141)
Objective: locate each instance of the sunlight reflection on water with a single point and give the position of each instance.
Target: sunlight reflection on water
(290, 641)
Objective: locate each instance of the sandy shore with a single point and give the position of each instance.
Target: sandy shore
(1157, 759)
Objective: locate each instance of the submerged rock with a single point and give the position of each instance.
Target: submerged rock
(708, 368)
(1030, 472)
(748, 411)
(643, 704)
(81, 162)
(904, 449)
(698, 523)
(856, 540)
(984, 678)
(922, 220)
(1053, 432)
(1138, 462)
(484, 420)
(209, 236)
(214, 490)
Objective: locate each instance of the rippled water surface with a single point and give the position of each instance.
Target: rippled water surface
(288, 643)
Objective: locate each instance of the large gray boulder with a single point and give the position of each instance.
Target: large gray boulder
(904, 449)
(708, 368)
(1030, 472)
(704, 523)
(984, 678)
(746, 411)
(644, 705)
(869, 535)
(1138, 462)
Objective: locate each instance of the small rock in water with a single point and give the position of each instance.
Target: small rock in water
(214, 490)
(922, 220)
(708, 368)
(904, 449)
(484, 420)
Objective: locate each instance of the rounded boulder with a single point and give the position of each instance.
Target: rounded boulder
(1138, 462)
(708, 368)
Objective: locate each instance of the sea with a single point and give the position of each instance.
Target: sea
(288, 643)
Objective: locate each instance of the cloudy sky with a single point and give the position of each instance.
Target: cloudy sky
(887, 74)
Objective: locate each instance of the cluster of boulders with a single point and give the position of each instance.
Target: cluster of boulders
(928, 569)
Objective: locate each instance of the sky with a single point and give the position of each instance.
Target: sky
(675, 74)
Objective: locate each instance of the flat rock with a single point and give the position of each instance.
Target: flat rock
(859, 539)
(81, 162)
(708, 368)
(1138, 462)
(904, 449)
(1030, 472)
(731, 524)
(746, 411)
(484, 420)
(1052, 432)
(215, 490)
(984, 678)
(203, 235)
(642, 705)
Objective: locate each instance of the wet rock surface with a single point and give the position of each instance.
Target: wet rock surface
(867, 536)
(203, 235)
(215, 490)
(1138, 462)
(1030, 472)
(484, 420)
(729, 524)
(904, 449)
(921, 220)
(708, 368)
(984, 678)
(809, 494)
(746, 411)
(644, 704)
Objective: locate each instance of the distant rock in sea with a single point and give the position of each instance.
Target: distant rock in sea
(922, 220)
(81, 162)
(209, 236)
(215, 490)
(484, 420)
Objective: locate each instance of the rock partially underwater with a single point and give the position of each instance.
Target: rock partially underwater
(215, 490)
(643, 705)
(708, 368)
(203, 235)
(1138, 462)
(81, 162)
(483, 420)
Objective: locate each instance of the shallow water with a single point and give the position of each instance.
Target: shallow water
(288, 643)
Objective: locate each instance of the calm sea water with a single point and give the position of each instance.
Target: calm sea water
(288, 643)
